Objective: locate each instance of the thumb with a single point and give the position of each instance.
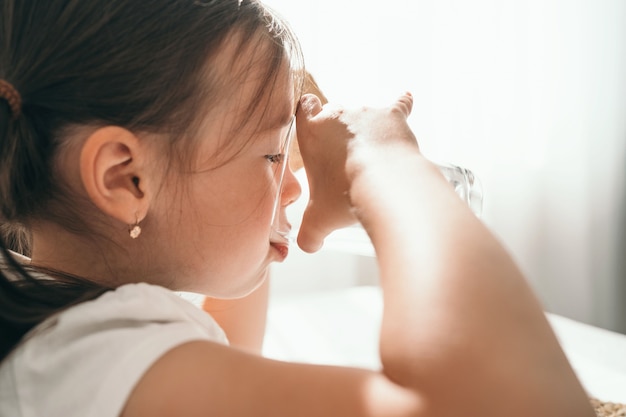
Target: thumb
(310, 236)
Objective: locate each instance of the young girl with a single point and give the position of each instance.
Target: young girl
(141, 150)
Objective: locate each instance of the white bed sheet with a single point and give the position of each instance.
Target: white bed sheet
(340, 327)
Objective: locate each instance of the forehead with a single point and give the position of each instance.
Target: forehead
(255, 90)
(256, 71)
(257, 79)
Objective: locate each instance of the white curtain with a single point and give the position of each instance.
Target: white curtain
(528, 94)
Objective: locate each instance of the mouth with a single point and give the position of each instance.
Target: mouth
(280, 238)
(281, 248)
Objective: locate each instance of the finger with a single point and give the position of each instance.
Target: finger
(311, 87)
(309, 243)
(404, 104)
(309, 106)
(311, 238)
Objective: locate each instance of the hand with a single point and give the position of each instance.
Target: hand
(336, 145)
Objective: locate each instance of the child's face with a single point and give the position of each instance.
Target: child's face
(217, 218)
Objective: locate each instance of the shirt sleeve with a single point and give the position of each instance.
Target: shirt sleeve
(87, 360)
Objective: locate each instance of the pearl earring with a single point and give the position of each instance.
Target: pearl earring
(135, 230)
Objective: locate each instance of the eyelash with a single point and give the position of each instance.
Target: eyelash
(275, 158)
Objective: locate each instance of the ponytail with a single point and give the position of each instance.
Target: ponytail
(26, 300)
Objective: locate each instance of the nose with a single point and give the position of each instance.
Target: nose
(291, 188)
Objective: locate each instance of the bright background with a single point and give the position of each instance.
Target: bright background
(528, 94)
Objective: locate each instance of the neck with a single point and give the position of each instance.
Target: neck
(88, 257)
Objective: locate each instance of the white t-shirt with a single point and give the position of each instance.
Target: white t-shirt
(86, 361)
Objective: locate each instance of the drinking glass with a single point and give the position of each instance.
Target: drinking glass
(466, 185)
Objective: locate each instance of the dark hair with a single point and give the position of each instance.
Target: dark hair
(142, 65)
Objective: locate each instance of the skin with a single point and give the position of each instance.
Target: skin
(462, 333)
(462, 336)
(244, 319)
(205, 230)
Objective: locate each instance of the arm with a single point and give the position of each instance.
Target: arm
(459, 316)
(244, 319)
(462, 333)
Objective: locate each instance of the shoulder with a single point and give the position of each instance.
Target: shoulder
(133, 305)
(99, 349)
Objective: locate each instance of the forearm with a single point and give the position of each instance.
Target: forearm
(434, 255)
(459, 316)
(461, 328)
(244, 319)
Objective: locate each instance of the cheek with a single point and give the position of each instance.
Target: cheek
(229, 200)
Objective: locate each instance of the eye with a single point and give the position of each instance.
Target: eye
(275, 158)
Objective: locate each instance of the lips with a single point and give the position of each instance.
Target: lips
(281, 248)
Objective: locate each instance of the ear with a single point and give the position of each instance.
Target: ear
(114, 173)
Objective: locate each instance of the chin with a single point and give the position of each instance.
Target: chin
(238, 288)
